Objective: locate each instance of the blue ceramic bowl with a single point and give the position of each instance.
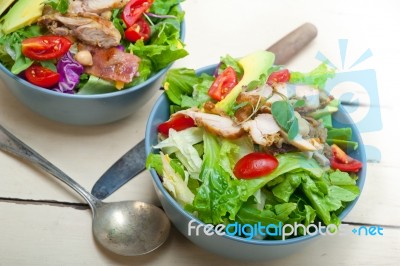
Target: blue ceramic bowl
(231, 246)
(83, 109)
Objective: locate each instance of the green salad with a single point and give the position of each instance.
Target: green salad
(254, 143)
(88, 46)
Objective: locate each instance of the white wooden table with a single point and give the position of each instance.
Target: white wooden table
(43, 223)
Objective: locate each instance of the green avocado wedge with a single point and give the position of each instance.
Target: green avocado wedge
(254, 66)
(4, 4)
(22, 13)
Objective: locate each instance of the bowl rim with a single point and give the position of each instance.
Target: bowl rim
(137, 87)
(148, 149)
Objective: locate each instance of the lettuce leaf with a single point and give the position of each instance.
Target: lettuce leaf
(164, 46)
(232, 62)
(339, 178)
(184, 88)
(96, 85)
(154, 161)
(319, 202)
(288, 162)
(58, 5)
(285, 189)
(248, 214)
(331, 197)
(199, 94)
(174, 182)
(180, 143)
(219, 194)
(164, 7)
(10, 48)
(316, 78)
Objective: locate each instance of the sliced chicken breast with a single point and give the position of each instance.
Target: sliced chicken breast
(94, 6)
(218, 125)
(263, 129)
(88, 28)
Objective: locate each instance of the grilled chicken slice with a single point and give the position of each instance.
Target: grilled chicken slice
(219, 125)
(250, 104)
(263, 129)
(94, 6)
(253, 101)
(88, 28)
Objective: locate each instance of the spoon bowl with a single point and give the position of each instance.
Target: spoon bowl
(128, 228)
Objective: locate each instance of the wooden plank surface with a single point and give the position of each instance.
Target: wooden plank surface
(64, 237)
(34, 232)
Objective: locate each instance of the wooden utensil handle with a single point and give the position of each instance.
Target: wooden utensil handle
(286, 48)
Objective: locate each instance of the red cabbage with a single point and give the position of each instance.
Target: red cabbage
(70, 71)
(120, 47)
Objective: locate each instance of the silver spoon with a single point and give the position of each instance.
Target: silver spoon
(127, 228)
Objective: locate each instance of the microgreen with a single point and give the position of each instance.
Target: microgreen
(283, 113)
(59, 5)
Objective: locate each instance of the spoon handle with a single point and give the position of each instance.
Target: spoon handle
(10, 143)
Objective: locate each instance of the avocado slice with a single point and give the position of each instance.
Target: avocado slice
(254, 65)
(4, 4)
(22, 13)
(332, 107)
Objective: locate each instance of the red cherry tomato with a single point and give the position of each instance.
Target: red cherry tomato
(134, 10)
(278, 77)
(41, 76)
(45, 47)
(341, 161)
(178, 122)
(256, 164)
(139, 30)
(223, 84)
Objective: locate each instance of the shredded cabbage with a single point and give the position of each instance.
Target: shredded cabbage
(70, 71)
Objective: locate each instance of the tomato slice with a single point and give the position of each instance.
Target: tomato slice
(41, 76)
(339, 154)
(255, 164)
(223, 84)
(45, 47)
(279, 76)
(341, 161)
(139, 30)
(178, 122)
(134, 10)
(352, 166)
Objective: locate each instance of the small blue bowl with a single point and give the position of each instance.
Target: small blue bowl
(78, 109)
(231, 246)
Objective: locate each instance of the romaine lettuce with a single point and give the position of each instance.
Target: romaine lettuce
(316, 78)
(218, 194)
(181, 144)
(175, 183)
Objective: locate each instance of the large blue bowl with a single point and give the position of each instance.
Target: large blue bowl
(231, 246)
(83, 109)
